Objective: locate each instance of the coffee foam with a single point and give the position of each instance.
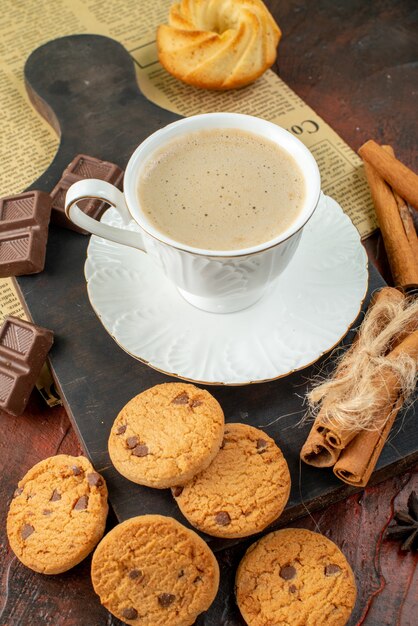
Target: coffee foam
(222, 189)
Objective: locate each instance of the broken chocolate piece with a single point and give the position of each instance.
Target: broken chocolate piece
(24, 220)
(182, 398)
(131, 442)
(55, 496)
(293, 589)
(26, 531)
(121, 429)
(130, 613)
(195, 403)
(165, 599)
(17, 492)
(177, 491)
(141, 450)
(81, 167)
(46, 512)
(94, 479)
(77, 470)
(222, 518)
(23, 350)
(261, 445)
(81, 504)
(287, 572)
(332, 569)
(135, 573)
(198, 579)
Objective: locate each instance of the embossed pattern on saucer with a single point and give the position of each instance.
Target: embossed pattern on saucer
(306, 312)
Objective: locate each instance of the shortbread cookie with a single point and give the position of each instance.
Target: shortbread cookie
(58, 514)
(152, 571)
(166, 434)
(295, 577)
(222, 44)
(242, 491)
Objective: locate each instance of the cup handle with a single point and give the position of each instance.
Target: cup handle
(101, 190)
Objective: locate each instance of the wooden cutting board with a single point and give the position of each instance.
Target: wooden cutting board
(85, 86)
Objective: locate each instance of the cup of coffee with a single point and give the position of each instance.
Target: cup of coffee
(221, 200)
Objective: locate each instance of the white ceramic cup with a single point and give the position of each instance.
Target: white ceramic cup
(216, 281)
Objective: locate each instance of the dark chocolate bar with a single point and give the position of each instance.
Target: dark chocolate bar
(23, 350)
(81, 167)
(24, 220)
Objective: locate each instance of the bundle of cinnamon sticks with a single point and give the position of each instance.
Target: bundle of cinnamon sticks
(392, 186)
(358, 405)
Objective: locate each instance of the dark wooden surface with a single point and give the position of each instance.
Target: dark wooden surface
(355, 63)
(94, 376)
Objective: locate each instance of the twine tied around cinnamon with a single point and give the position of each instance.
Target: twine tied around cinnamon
(352, 400)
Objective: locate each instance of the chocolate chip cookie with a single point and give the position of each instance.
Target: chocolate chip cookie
(58, 514)
(295, 577)
(152, 571)
(243, 490)
(166, 434)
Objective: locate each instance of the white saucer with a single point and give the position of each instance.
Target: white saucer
(306, 312)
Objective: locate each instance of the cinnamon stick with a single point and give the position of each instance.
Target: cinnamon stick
(357, 462)
(403, 262)
(405, 215)
(317, 452)
(401, 178)
(408, 223)
(335, 438)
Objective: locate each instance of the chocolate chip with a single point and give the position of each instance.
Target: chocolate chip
(77, 470)
(261, 445)
(81, 504)
(293, 589)
(130, 613)
(287, 572)
(121, 429)
(222, 518)
(195, 403)
(26, 531)
(131, 442)
(141, 450)
(17, 492)
(180, 574)
(55, 496)
(183, 398)
(177, 491)
(134, 574)
(332, 569)
(165, 599)
(94, 479)
(46, 512)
